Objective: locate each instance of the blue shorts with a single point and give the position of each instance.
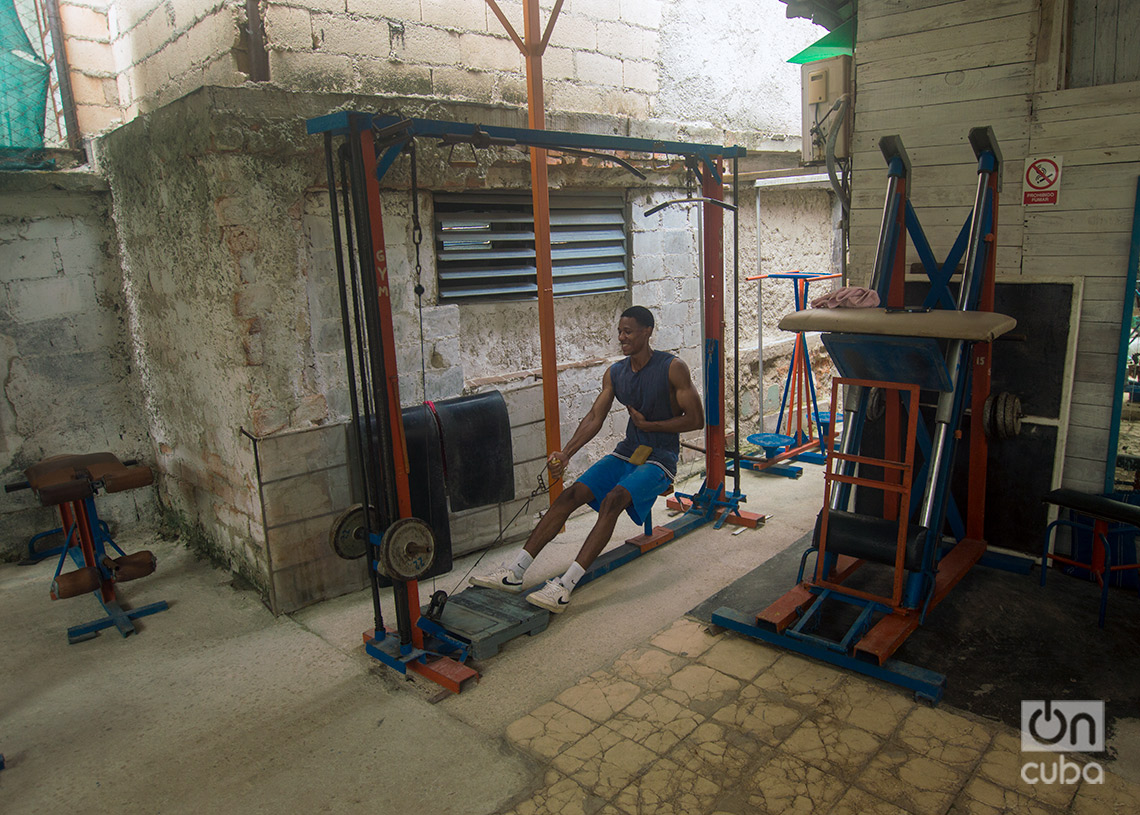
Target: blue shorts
(644, 483)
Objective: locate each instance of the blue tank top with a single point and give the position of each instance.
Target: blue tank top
(647, 391)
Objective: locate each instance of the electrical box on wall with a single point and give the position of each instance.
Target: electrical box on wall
(824, 81)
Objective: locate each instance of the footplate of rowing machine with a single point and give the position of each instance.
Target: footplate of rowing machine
(486, 619)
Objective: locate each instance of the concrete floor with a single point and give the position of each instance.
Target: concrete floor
(623, 705)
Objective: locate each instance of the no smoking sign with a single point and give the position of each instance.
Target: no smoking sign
(1042, 180)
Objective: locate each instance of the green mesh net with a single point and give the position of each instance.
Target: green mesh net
(24, 79)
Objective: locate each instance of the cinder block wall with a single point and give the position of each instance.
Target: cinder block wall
(163, 49)
(65, 353)
(94, 77)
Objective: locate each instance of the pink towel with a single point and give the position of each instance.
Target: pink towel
(848, 297)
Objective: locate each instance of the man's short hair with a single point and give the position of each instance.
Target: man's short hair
(640, 314)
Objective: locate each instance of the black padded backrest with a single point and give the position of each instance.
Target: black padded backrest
(1095, 506)
(477, 448)
(870, 538)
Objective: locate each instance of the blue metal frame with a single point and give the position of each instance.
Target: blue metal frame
(919, 583)
(1122, 354)
(116, 615)
(928, 685)
(340, 124)
(800, 304)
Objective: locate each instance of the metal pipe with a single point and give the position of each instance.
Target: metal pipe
(540, 198)
(713, 274)
(735, 327)
(883, 249)
(63, 74)
(338, 250)
(946, 401)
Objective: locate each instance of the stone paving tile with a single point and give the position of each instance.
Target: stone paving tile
(832, 746)
(769, 718)
(656, 722)
(549, 729)
(668, 789)
(866, 704)
(599, 695)
(913, 782)
(784, 785)
(685, 638)
(719, 752)
(804, 681)
(558, 795)
(858, 802)
(1116, 796)
(604, 762)
(1002, 765)
(945, 737)
(648, 667)
(983, 798)
(700, 688)
(740, 657)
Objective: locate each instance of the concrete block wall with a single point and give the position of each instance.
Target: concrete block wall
(304, 487)
(65, 353)
(601, 57)
(646, 60)
(164, 49)
(94, 75)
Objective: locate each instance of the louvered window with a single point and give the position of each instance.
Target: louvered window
(484, 246)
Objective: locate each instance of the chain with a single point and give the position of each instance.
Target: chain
(417, 241)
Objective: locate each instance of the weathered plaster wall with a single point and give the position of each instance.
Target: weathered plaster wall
(724, 63)
(65, 363)
(209, 215)
(795, 233)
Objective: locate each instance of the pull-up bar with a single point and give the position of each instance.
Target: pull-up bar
(400, 130)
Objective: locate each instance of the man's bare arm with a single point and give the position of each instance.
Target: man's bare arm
(588, 428)
(692, 415)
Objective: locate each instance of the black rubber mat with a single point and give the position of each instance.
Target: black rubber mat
(999, 637)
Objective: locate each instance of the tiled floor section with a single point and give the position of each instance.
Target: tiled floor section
(697, 724)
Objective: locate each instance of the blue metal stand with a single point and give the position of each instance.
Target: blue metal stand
(115, 615)
(927, 685)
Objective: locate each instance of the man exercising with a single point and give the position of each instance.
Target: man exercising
(658, 392)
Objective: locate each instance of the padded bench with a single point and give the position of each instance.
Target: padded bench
(1103, 511)
(59, 479)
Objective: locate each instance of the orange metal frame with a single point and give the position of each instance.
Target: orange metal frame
(898, 478)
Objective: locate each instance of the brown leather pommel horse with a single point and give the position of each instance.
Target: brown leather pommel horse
(71, 483)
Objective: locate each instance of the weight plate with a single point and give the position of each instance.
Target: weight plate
(347, 535)
(407, 549)
(876, 405)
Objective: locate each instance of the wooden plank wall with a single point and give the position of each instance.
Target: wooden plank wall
(929, 70)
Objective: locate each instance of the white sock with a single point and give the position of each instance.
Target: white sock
(522, 563)
(572, 576)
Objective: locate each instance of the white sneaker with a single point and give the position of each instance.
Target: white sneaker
(501, 578)
(553, 597)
